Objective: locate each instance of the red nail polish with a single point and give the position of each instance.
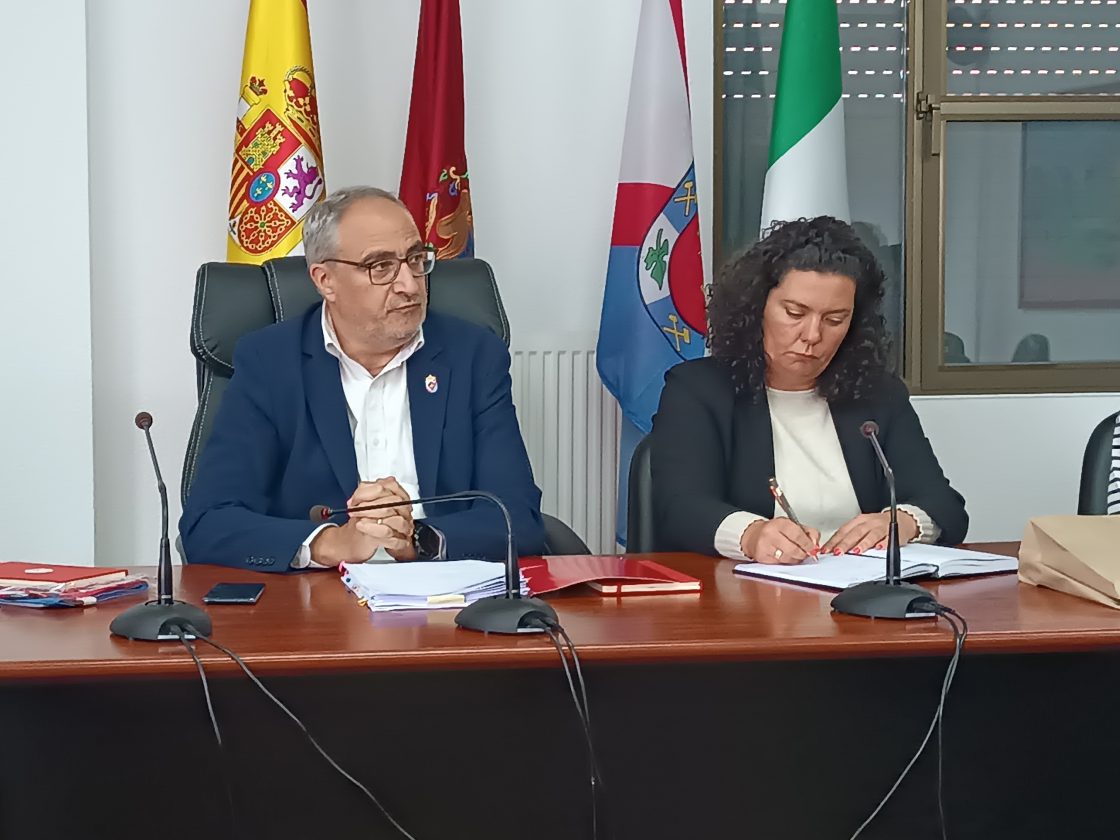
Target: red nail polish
(856, 550)
(836, 551)
(880, 545)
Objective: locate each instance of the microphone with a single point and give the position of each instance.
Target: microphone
(890, 597)
(507, 613)
(164, 618)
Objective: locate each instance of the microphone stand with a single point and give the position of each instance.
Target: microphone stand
(890, 597)
(894, 550)
(164, 619)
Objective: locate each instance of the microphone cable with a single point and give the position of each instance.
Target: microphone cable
(303, 728)
(565, 648)
(960, 634)
(185, 640)
(573, 673)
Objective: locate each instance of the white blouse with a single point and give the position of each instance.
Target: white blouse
(809, 465)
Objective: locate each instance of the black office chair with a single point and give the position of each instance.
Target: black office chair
(953, 350)
(641, 533)
(232, 299)
(1095, 469)
(1032, 348)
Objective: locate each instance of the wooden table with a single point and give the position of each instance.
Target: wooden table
(748, 708)
(310, 623)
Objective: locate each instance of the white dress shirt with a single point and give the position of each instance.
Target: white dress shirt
(381, 424)
(810, 467)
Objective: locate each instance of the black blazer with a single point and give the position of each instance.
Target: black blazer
(712, 453)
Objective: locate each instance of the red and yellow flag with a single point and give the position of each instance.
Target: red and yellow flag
(277, 157)
(435, 184)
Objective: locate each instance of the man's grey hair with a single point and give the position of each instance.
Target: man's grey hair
(320, 227)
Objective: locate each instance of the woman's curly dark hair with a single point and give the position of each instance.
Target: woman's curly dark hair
(822, 244)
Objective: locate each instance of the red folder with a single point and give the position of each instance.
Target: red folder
(610, 574)
(43, 575)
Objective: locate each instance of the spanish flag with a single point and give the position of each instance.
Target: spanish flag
(277, 157)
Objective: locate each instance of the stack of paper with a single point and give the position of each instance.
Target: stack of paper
(425, 586)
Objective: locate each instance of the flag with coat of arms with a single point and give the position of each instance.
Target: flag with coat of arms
(277, 172)
(435, 181)
(654, 308)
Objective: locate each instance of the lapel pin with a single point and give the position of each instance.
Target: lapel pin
(431, 384)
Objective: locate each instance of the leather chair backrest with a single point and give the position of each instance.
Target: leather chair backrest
(1095, 469)
(1032, 348)
(233, 299)
(953, 349)
(641, 533)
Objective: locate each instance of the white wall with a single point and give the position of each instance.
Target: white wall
(1013, 456)
(46, 426)
(546, 97)
(161, 77)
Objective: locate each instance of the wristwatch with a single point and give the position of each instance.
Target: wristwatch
(428, 542)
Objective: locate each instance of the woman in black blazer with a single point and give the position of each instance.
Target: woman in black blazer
(798, 364)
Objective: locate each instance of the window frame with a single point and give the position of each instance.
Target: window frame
(929, 110)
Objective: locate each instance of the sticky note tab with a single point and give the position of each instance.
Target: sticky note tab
(447, 599)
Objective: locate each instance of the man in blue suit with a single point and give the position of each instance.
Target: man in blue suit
(366, 398)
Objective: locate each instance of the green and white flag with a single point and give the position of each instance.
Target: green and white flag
(807, 175)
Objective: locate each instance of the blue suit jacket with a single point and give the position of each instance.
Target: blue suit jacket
(282, 442)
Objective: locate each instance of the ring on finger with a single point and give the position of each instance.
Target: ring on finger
(778, 554)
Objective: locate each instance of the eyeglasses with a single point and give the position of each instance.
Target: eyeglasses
(383, 272)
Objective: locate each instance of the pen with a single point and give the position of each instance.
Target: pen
(783, 503)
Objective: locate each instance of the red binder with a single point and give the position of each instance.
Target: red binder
(44, 575)
(610, 574)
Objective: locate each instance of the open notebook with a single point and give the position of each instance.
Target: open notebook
(918, 561)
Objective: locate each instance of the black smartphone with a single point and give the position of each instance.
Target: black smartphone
(234, 593)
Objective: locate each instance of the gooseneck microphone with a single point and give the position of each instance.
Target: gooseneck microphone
(163, 619)
(506, 613)
(890, 597)
(870, 430)
(164, 587)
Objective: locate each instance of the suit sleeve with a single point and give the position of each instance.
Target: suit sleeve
(689, 466)
(919, 478)
(225, 520)
(501, 467)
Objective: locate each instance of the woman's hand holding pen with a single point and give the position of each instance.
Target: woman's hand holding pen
(780, 540)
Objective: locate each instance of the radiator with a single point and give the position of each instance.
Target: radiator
(570, 424)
